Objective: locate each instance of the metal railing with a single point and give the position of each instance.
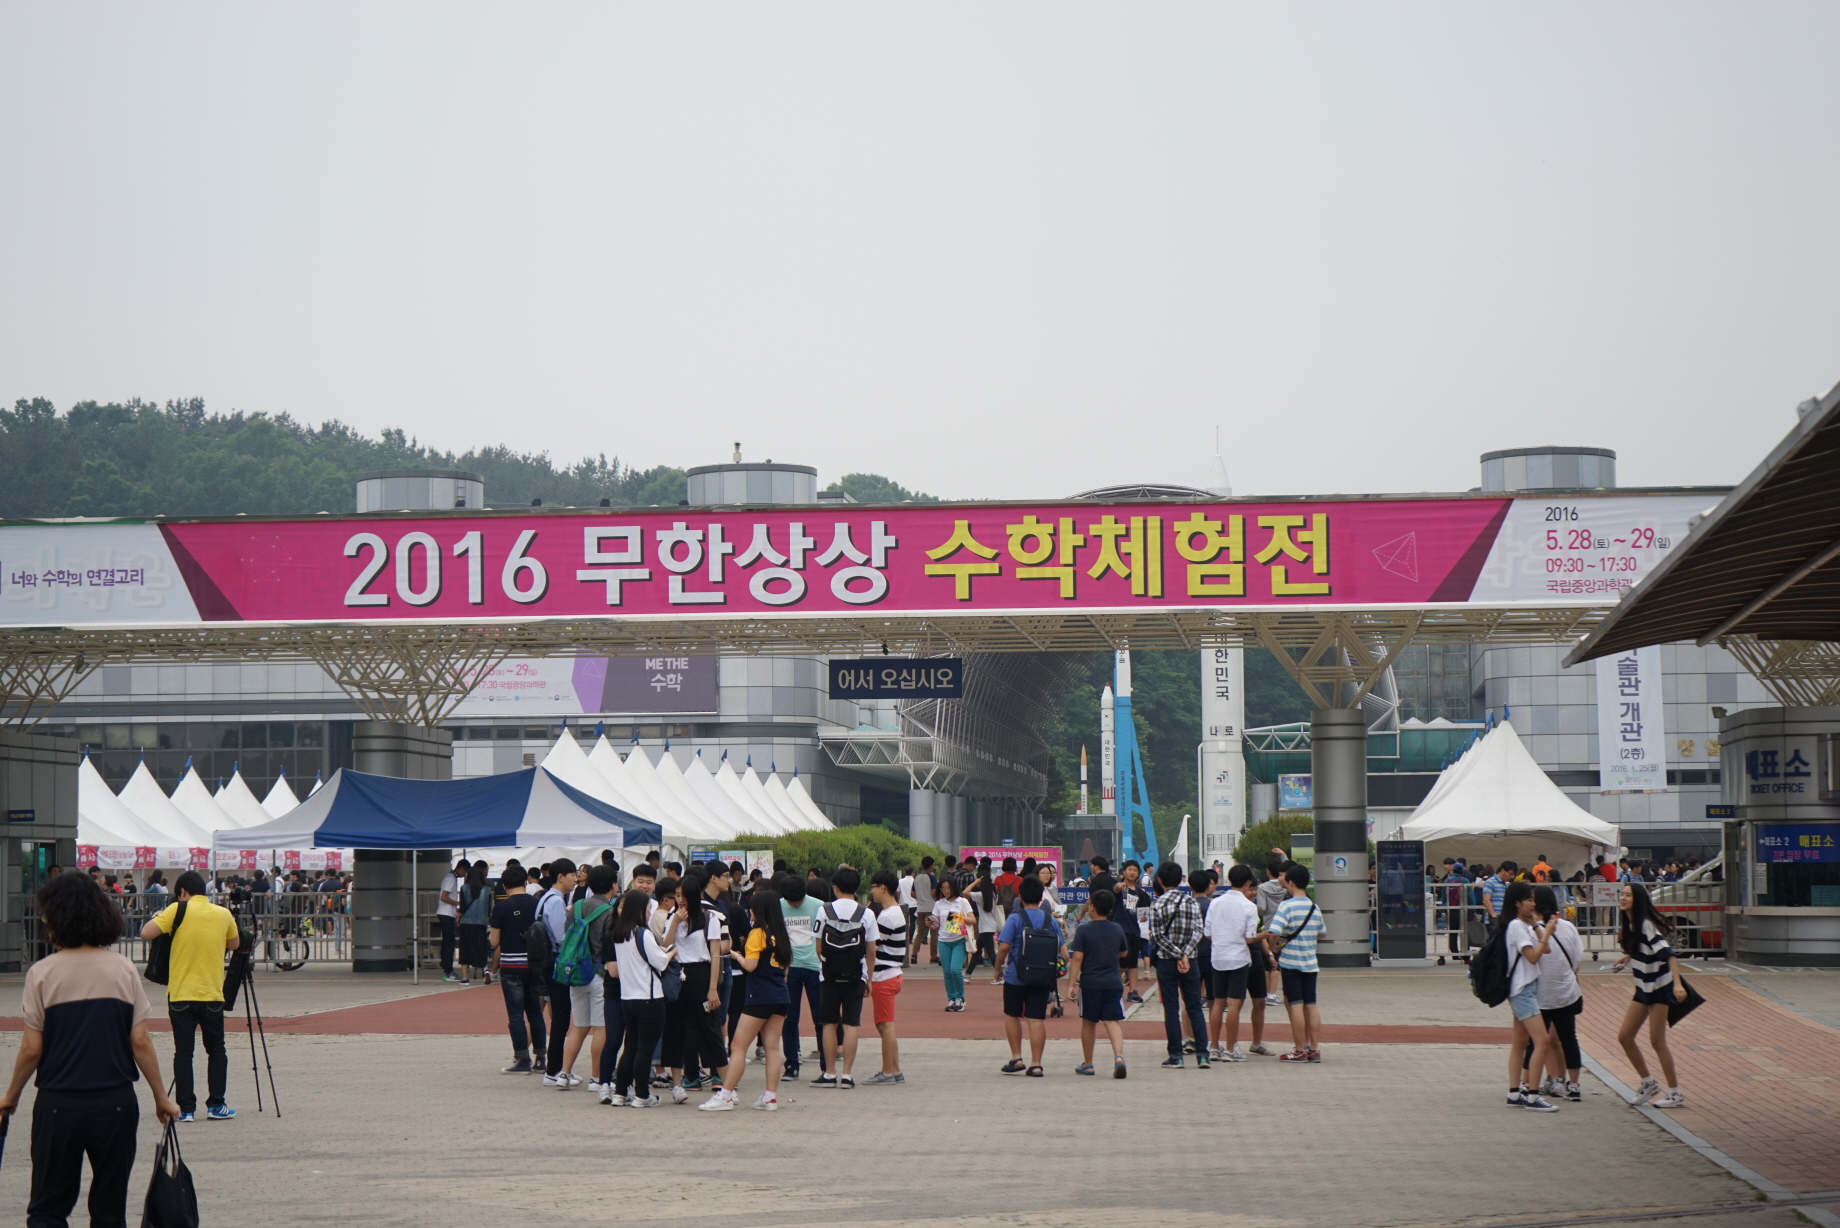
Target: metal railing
(1457, 922)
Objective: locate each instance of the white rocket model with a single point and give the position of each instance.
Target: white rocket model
(1083, 809)
(1108, 777)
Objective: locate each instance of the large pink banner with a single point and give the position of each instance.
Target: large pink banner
(838, 560)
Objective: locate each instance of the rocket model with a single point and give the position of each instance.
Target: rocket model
(1082, 809)
(1108, 797)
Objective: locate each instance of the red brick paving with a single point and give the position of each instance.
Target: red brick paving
(1762, 1083)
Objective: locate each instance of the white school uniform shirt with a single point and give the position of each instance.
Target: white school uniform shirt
(1230, 921)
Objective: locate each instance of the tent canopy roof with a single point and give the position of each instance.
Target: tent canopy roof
(1498, 790)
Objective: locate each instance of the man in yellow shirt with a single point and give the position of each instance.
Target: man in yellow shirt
(195, 990)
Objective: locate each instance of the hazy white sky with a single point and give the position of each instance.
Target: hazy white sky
(989, 250)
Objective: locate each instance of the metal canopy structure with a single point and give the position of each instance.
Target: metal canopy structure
(1759, 574)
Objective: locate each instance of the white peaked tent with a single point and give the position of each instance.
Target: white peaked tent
(672, 778)
(280, 799)
(795, 789)
(757, 796)
(142, 795)
(571, 763)
(193, 799)
(642, 783)
(760, 821)
(734, 816)
(102, 819)
(1496, 804)
(775, 790)
(238, 800)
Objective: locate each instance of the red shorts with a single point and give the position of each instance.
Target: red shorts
(883, 993)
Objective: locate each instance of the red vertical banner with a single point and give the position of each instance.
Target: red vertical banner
(246, 859)
(144, 858)
(201, 859)
(290, 859)
(335, 861)
(86, 855)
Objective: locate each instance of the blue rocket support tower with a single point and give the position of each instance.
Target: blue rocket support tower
(1133, 791)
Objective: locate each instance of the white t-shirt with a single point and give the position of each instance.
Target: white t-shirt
(957, 919)
(1520, 937)
(990, 920)
(692, 946)
(1231, 920)
(450, 885)
(904, 891)
(1558, 974)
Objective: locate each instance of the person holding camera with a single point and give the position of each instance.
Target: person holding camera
(202, 933)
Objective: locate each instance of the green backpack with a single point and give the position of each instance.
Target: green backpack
(575, 964)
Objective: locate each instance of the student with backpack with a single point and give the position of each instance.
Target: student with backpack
(523, 986)
(475, 917)
(845, 936)
(765, 955)
(1097, 953)
(699, 936)
(578, 967)
(1525, 942)
(1561, 1001)
(552, 915)
(1291, 936)
(1642, 933)
(1028, 952)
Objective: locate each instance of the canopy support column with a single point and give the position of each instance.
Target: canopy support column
(32, 683)
(387, 883)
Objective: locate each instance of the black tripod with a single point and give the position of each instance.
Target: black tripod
(241, 976)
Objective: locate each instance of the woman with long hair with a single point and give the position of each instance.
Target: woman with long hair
(952, 920)
(1642, 933)
(1561, 1002)
(475, 916)
(765, 958)
(1528, 943)
(638, 963)
(696, 936)
(989, 921)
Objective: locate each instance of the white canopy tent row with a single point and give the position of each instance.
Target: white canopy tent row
(1496, 804)
(239, 801)
(281, 798)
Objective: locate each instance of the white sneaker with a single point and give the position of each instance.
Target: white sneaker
(550, 1080)
(644, 1102)
(1649, 1089)
(768, 1102)
(1231, 1055)
(678, 1095)
(1673, 1100)
(594, 1086)
(573, 1078)
(608, 1098)
(1273, 999)
(721, 1102)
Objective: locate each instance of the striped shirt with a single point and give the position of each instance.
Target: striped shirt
(1650, 962)
(1298, 914)
(1495, 889)
(890, 942)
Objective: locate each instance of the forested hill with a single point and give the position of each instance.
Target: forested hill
(138, 459)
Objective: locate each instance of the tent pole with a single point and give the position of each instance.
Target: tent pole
(415, 926)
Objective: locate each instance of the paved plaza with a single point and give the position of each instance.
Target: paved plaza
(394, 1113)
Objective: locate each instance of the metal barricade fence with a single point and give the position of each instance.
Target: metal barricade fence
(1457, 922)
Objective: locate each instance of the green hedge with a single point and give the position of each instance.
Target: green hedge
(865, 846)
(1255, 844)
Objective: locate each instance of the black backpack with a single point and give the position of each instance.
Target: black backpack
(541, 950)
(1038, 949)
(159, 951)
(1490, 970)
(842, 945)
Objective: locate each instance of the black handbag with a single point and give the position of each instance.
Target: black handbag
(171, 1200)
(159, 951)
(1680, 1008)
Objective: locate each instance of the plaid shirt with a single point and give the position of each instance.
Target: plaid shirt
(1175, 925)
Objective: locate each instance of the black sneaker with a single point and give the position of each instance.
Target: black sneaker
(792, 1072)
(1188, 1046)
(1172, 1062)
(1573, 1092)
(1201, 1061)
(1134, 996)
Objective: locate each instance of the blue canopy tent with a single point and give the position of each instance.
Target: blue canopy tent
(359, 811)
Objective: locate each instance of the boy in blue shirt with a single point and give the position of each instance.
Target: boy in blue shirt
(1098, 951)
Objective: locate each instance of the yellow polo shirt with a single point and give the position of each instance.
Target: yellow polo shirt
(197, 950)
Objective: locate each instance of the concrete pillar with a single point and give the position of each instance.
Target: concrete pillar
(920, 822)
(961, 821)
(1338, 769)
(381, 909)
(981, 811)
(38, 788)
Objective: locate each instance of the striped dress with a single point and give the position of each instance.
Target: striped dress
(1654, 982)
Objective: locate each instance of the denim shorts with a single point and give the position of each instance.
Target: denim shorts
(1526, 1003)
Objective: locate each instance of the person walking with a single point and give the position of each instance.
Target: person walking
(844, 928)
(1021, 1000)
(990, 919)
(1271, 894)
(1643, 933)
(446, 914)
(1133, 914)
(950, 925)
(926, 894)
(1232, 928)
(1561, 1002)
(891, 922)
(587, 1016)
(766, 955)
(1096, 957)
(638, 964)
(524, 988)
(202, 933)
(1528, 942)
(83, 1043)
(1175, 936)
(804, 977)
(475, 918)
(553, 911)
(1291, 936)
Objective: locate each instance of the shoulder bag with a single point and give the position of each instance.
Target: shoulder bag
(159, 951)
